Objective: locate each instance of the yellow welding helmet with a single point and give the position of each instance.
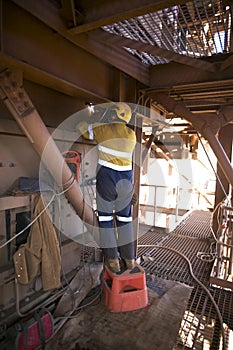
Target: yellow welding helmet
(123, 111)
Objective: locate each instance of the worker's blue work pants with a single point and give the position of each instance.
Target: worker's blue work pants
(114, 193)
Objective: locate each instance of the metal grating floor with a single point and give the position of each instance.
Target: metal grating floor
(200, 328)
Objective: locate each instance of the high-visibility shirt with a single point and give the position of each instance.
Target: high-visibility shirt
(115, 143)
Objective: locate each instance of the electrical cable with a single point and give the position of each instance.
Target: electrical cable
(208, 257)
(212, 231)
(90, 303)
(83, 243)
(156, 246)
(79, 308)
(42, 211)
(212, 255)
(30, 224)
(67, 185)
(73, 292)
(43, 304)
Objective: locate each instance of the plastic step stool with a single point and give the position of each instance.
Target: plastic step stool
(125, 291)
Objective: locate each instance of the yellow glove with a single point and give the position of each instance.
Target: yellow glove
(82, 127)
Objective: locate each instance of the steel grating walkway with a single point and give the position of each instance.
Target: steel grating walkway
(200, 327)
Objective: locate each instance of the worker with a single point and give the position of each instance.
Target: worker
(114, 190)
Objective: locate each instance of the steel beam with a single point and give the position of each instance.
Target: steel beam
(37, 46)
(68, 11)
(49, 15)
(227, 63)
(107, 12)
(174, 76)
(119, 41)
(50, 80)
(207, 125)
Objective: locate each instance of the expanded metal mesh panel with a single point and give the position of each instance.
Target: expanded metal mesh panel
(199, 28)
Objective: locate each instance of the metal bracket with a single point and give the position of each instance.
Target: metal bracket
(11, 89)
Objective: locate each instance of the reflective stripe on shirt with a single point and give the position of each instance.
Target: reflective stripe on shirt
(114, 152)
(115, 166)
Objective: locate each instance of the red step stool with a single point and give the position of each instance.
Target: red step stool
(126, 291)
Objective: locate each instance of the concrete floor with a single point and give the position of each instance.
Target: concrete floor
(153, 327)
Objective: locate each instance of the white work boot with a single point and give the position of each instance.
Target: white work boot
(113, 265)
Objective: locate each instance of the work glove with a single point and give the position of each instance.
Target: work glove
(134, 199)
(82, 127)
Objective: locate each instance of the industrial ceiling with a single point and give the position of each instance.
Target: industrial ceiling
(180, 48)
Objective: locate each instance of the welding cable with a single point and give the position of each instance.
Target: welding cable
(42, 211)
(83, 213)
(201, 285)
(30, 224)
(208, 257)
(71, 291)
(212, 217)
(69, 183)
(20, 314)
(140, 98)
(51, 297)
(89, 303)
(211, 224)
(63, 319)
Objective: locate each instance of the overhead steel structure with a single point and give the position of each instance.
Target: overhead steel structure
(173, 54)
